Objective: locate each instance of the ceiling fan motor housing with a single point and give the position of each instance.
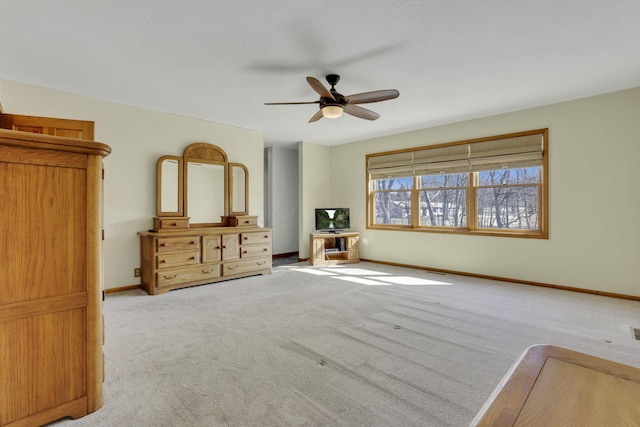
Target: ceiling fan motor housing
(333, 79)
(339, 100)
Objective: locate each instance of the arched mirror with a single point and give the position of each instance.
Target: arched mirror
(206, 186)
(200, 189)
(205, 193)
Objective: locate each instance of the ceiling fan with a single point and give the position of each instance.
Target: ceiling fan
(333, 104)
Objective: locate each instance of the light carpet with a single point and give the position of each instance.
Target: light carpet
(354, 345)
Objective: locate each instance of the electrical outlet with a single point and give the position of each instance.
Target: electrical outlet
(136, 272)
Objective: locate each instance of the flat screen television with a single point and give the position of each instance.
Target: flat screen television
(332, 220)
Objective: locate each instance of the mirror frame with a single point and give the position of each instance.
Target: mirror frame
(232, 211)
(201, 152)
(160, 183)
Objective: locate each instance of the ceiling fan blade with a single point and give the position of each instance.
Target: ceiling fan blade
(317, 116)
(375, 96)
(319, 87)
(291, 103)
(360, 112)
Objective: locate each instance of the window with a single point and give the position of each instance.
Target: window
(443, 200)
(393, 200)
(494, 185)
(508, 198)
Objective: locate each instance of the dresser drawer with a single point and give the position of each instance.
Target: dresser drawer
(186, 275)
(252, 251)
(245, 266)
(243, 221)
(173, 244)
(255, 237)
(170, 224)
(177, 259)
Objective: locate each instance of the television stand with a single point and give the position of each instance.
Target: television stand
(334, 248)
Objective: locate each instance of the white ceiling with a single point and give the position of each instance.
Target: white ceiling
(221, 60)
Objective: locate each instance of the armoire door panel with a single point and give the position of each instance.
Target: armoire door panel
(53, 230)
(43, 363)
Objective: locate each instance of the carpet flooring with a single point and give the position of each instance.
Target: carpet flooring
(355, 345)
(284, 260)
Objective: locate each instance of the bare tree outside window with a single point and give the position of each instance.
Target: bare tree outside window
(508, 198)
(392, 200)
(443, 200)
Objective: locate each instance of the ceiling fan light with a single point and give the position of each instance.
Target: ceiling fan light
(332, 111)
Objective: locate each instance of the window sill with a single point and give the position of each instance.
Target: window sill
(490, 233)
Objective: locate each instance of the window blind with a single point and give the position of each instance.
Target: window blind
(514, 152)
(390, 165)
(518, 151)
(449, 159)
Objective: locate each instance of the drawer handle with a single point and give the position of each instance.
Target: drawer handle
(169, 277)
(207, 272)
(244, 252)
(265, 250)
(266, 236)
(164, 261)
(194, 242)
(232, 268)
(175, 224)
(192, 257)
(261, 262)
(247, 221)
(166, 245)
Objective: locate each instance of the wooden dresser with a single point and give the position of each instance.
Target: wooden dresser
(51, 331)
(178, 259)
(203, 232)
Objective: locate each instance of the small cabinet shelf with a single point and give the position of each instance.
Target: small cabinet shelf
(334, 248)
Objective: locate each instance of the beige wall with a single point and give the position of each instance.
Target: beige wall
(314, 189)
(137, 137)
(594, 149)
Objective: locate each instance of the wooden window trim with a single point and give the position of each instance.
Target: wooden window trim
(472, 227)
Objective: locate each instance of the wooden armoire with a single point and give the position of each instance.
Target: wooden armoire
(51, 291)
